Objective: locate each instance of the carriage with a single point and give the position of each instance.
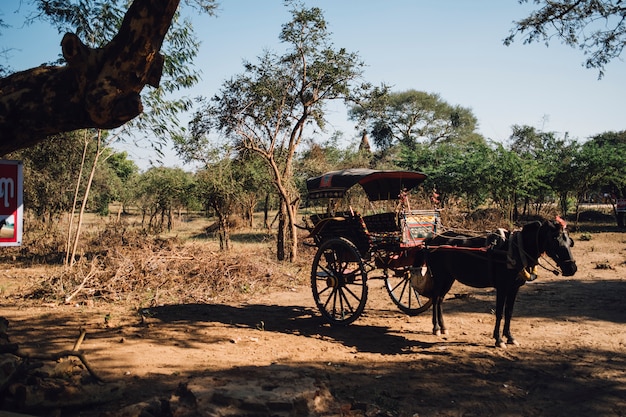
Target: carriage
(385, 241)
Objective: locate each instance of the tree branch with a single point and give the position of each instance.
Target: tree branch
(98, 88)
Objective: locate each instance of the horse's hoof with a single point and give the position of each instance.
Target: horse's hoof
(437, 332)
(444, 331)
(512, 342)
(501, 345)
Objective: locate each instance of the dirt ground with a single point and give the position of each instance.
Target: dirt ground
(245, 358)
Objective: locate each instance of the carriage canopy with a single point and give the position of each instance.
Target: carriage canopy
(377, 184)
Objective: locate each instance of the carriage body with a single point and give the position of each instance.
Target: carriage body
(364, 229)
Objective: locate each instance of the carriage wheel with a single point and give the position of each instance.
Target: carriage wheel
(339, 281)
(407, 298)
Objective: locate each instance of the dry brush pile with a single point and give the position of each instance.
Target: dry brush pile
(129, 266)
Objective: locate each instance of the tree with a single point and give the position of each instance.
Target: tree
(270, 107)
(597, 27)
(121, 183)
(218, 189)
(98, 87)
(412, 117)
(51, 172)
(540, 150)
(162, 191)
(600, 166)
(455, 171)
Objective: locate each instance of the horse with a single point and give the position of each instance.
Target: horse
(504, 261)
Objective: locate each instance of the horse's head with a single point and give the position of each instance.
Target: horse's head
(553, 239)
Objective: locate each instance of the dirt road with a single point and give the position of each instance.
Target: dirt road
(249, 358)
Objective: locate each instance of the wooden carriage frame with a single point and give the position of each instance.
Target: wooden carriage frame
(353, 248)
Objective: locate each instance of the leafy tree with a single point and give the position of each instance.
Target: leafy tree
(50, 173)
(600, 166)
(162, 191)
(255, 183)
(122, 178)
(412, 117)
(560, 171)
(247, 170)
(270, 107)
(540, 150)
(510, 176)
(218, 189)
(597, 27)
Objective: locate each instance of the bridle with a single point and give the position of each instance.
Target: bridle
(529, 272)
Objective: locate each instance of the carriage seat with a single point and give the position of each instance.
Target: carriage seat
(382, 222)
(383, 229)
(316, 218)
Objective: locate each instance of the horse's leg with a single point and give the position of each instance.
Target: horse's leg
(439, 327)
(442, 325)
(500, 300)
(508, 314)
(436, 313)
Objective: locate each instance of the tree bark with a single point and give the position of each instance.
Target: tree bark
(98, 88)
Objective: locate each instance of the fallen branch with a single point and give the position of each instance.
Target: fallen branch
(60, 355)
(91, 273)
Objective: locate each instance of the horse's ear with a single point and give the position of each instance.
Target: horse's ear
(562, 222)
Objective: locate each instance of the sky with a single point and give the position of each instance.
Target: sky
(453, 48)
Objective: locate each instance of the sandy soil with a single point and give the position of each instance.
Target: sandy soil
(571, 360)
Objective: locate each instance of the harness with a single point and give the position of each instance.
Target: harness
(515, 249)
(528, 272)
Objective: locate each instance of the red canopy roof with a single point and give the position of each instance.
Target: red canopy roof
(377, 184)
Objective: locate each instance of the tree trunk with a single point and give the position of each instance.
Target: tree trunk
(281, 233)
(81, 214)
(70, 226)
(266, 210)
(223, 232)
(98, 88)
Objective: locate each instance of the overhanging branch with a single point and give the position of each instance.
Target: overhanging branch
(98, 88)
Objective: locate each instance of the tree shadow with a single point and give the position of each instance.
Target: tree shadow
(412, 375)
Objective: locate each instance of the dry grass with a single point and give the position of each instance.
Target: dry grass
(120, 263)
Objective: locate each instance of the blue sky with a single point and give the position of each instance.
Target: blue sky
(450, 47)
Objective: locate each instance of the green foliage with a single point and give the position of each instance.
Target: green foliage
(597, 27)
(119, 175)
(412, 117)
(601, 163)
(51, 170)
(455, 171)
(50, 173)
(276, 102)
(163, 190)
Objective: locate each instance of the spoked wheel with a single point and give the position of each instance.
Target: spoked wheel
(402, 293)
(339, 281)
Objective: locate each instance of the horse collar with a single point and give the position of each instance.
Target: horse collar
(517, 240)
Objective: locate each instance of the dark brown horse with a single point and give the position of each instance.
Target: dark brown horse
(505, 263)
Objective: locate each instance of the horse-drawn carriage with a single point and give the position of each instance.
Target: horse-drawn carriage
(408, 250)
(353, 246)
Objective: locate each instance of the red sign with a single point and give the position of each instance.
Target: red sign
(11, 206)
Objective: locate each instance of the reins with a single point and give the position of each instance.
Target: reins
(524, 256)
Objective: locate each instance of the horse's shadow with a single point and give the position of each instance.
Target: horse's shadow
(552, 298)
